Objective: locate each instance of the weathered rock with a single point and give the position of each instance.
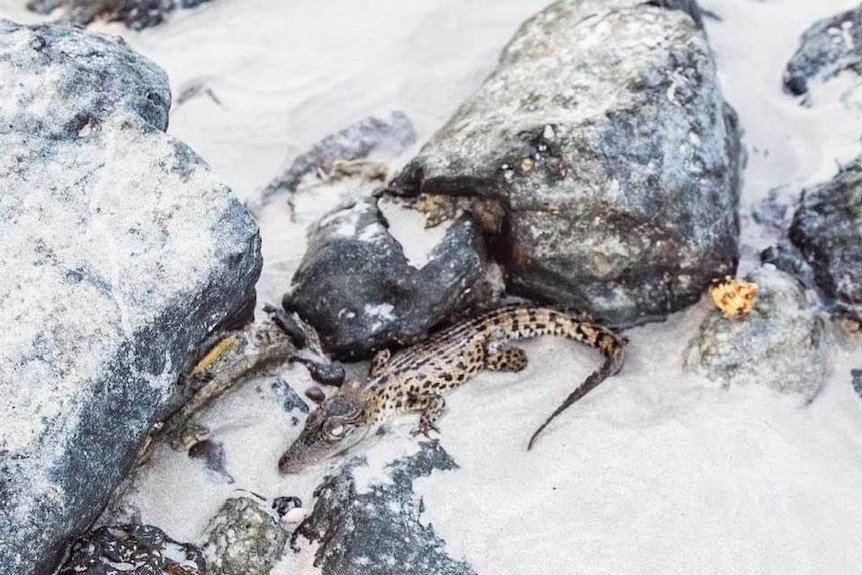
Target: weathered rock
(604, 135)
(828, 47)
(377, 532)
(357, 288)
(120, 253)
(778, 345)
(133, 549)
(136, 14)
(243, 539)
(827, 229)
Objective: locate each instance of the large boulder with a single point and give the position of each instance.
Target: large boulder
(604, 136)
(827, 231)
(357, 287)
(827, 48)
(120, 254)
(779, 345)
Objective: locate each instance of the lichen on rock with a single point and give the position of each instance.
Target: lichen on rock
(120, 254)
(779, 344)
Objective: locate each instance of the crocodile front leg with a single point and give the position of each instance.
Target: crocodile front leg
(430, 407)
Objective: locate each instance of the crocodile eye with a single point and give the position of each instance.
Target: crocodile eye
(337, 431)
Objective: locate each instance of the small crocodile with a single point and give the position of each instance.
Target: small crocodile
(411, 380)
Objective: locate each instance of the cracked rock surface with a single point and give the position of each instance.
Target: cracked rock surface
(120, 254)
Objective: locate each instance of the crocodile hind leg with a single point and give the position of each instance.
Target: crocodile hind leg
(506, 359)
(430, 407)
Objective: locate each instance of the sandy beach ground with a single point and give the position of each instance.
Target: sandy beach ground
(657, 471)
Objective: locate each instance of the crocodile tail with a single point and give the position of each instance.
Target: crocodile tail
(612, 348)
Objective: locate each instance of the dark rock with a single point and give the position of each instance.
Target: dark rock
(775, 211)
(282, 505)
(121, 253)
(605, 212)
(243, 539)
(287, 324)
(377, 532)
(828, 47)
(827, 230)
(290, 400)
(392, 134)
(315, 394)
(690, 7)
(326, 373)
(136, 14)
(856, 374)
(358, 290)
(211, 453)
(779, 344)
(132, 549)
(785, 257)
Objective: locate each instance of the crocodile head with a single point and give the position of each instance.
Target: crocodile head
(337, 424)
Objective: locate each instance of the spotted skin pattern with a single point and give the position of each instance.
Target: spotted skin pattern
(412, 380)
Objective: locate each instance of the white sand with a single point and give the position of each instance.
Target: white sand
(656, 471)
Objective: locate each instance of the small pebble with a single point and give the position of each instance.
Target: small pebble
(315, 394)
(287, 324)
(283, 505)
(296, 516)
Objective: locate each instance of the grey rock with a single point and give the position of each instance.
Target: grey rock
(785, 257)
(136, 14)
(604, 136)
(377, 531)
(243, 539)
(778, 345)
(358, 290)
(290, 400)
(828, 47)
(392, 134)
(856, 376)
(120, 254)
(211, 454)
(827, 230)
(132, 549)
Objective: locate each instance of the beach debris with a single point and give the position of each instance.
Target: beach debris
(734, 297)
(341, 151)
(211, 453)
(315, 394)
(243, 539)
(135, 549)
